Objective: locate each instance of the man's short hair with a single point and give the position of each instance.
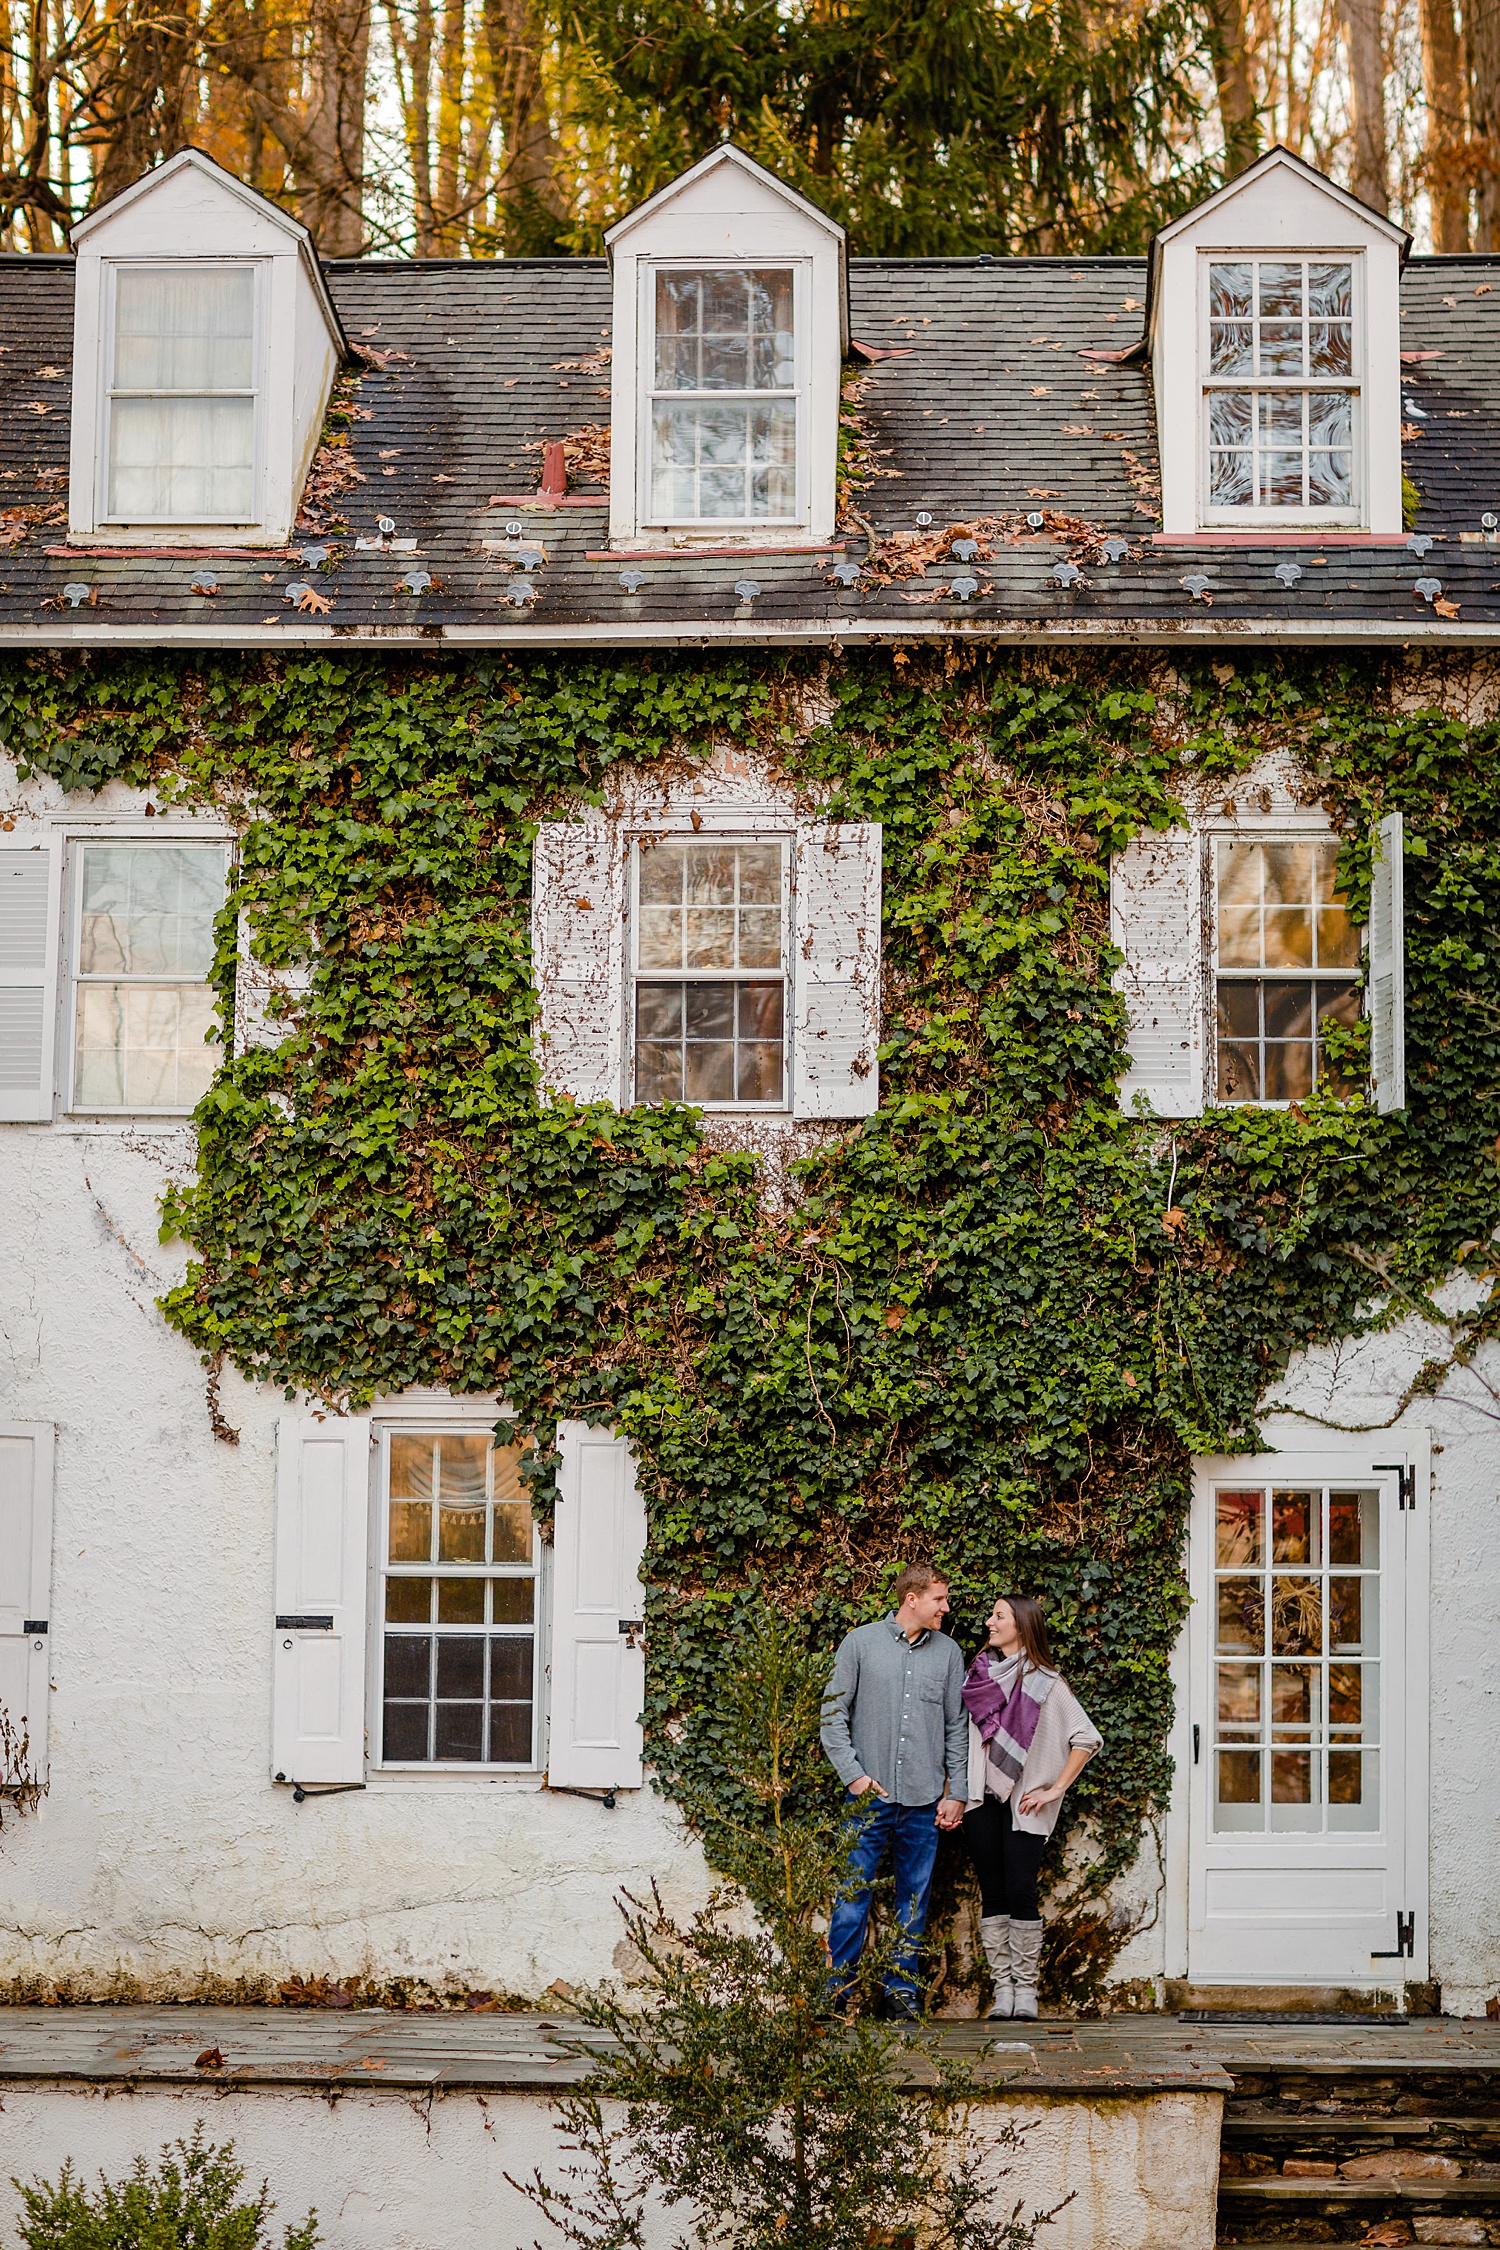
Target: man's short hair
(915, 1579)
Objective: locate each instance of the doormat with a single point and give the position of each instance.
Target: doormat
(1288, 2015)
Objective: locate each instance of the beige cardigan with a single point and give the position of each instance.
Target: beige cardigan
(1062, 1725)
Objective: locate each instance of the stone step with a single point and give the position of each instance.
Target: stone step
(1248, 2126)
(1273, 2193)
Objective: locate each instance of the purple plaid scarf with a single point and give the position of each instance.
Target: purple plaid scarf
(1005, 1704)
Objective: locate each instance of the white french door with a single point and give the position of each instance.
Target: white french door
(1307, 1665)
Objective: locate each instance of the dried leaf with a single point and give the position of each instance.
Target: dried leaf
(319, 604)
(1444, 609)
(210, 2059)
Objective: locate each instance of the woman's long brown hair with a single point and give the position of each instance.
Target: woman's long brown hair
(1032, 1627)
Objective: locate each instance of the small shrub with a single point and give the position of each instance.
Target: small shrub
(191, 2202)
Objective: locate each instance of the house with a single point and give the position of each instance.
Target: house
(588, 624)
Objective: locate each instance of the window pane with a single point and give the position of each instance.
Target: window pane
(184, 460)
(405, 1732)
(1295, 1518)
(461, 1601)
(1296, 1617)
(1294, 1701)
(1280, 289)
(1239, 1699)
(513, 1600)
(1353, 1611)
(1288, 1072)
(408, 1601)
(1354, 1529)
(1239, 1777)
(1353, 1790)
(513, 1531)
(459, 1732)
(1242, 1616)
(1280, 348)
(463, 1468)
(142, 1046)
(148, 910)
(184, 328)
(411, 1469)
(1241, 1530)
(510, 1734)
(408, 1664)
(1291, 1778)
(724, 331)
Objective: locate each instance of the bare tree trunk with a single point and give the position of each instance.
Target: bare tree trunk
(1482, 26)
(1362, 34)
(452, 55)
(329, 165)
(1229, 44)
(527, 191)
(151, 104)
(1443, 93)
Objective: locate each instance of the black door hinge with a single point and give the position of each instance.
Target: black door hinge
(1406, 1940)
(1407, 1491)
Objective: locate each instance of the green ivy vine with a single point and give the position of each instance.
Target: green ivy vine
(997, 1319)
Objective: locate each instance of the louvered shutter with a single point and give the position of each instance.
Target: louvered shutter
(1386, 978)
(322, 1536)
(578, 958)
(836, 971)
(1156, 920)
(25, 1583)
(30, 928)
(598, 1658)
(255, 988)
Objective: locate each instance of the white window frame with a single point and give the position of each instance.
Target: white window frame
(451, 1418)
(635, 976)
(1213, 834)
(647, 394)
(108, 389)
(159, 836)
(1263, 518)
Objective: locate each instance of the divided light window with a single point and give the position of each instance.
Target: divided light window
(145, 947)
(1280, 391)
(459, 1577)
(181, 395)
(1288, 958)
(1297, 1673)
(723, 445)
(709, 957)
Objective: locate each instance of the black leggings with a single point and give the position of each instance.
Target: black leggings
(1005, 1859)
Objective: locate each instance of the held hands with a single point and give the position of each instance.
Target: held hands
(950, 1812)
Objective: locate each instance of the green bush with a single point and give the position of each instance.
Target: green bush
(191, 2202)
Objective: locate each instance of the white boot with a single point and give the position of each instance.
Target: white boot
(994, 1936)
(1025, 1959)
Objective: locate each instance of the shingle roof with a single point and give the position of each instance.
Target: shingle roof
(990, 412)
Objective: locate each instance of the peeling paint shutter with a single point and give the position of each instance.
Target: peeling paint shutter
(26, 1582)
(836, 971)
(1387, 967)
(578, 959)
(30, 928)
(1156, 919)
(255, 988)
(322, 1533)
(598, 1661)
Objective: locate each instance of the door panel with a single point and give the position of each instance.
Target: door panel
(1301, 1687)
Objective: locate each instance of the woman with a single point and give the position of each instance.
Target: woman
(1029, 1738)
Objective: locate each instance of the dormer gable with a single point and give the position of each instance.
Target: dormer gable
(729, 329)
(1275, 338)
(205, 346)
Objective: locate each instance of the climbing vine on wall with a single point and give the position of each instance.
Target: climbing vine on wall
(997, 1319)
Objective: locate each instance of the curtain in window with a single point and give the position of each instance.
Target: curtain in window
(176, 449)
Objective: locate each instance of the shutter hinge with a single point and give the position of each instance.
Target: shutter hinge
(634, 1629)
(1406, 1939)
(604, 1797)
(1407, 1491)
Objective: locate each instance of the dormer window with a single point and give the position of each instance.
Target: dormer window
(728, 339)
(181, 396)
(724, 398)
(1280, 393)
(1274, 334)
(204, 350)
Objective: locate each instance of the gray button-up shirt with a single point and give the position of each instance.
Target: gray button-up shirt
(893, 1710)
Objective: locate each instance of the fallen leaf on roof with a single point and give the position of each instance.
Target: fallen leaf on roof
(48, 374)
(441, 479)
(371, 2062)
(903, 320)
(1077, 429)
(210, 2059)
(390, 453)
(1041, 492)
(1451, 303)
(35, 406)
(593, 365)
(270, 621)
(510, 382)
(979, 429)
(1444, 609)
(882, 351)
(1041, 339)
(1410, 359)
(1086, 354)
(319, 604)
(1485, 289)
(1039, 390)
(1130, 304)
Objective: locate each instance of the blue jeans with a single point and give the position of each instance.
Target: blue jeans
(909, 1834)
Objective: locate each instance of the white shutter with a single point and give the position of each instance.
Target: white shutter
(1156, 920)
(1386, 976)
(255, 987)
(322, 1534)
(578, 958)
(25, 1582)
(30, 929)
(836, 971)
(598, 1611)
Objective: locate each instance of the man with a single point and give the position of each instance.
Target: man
(894, 1726)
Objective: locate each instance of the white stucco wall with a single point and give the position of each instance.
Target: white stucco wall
(387, 2172)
